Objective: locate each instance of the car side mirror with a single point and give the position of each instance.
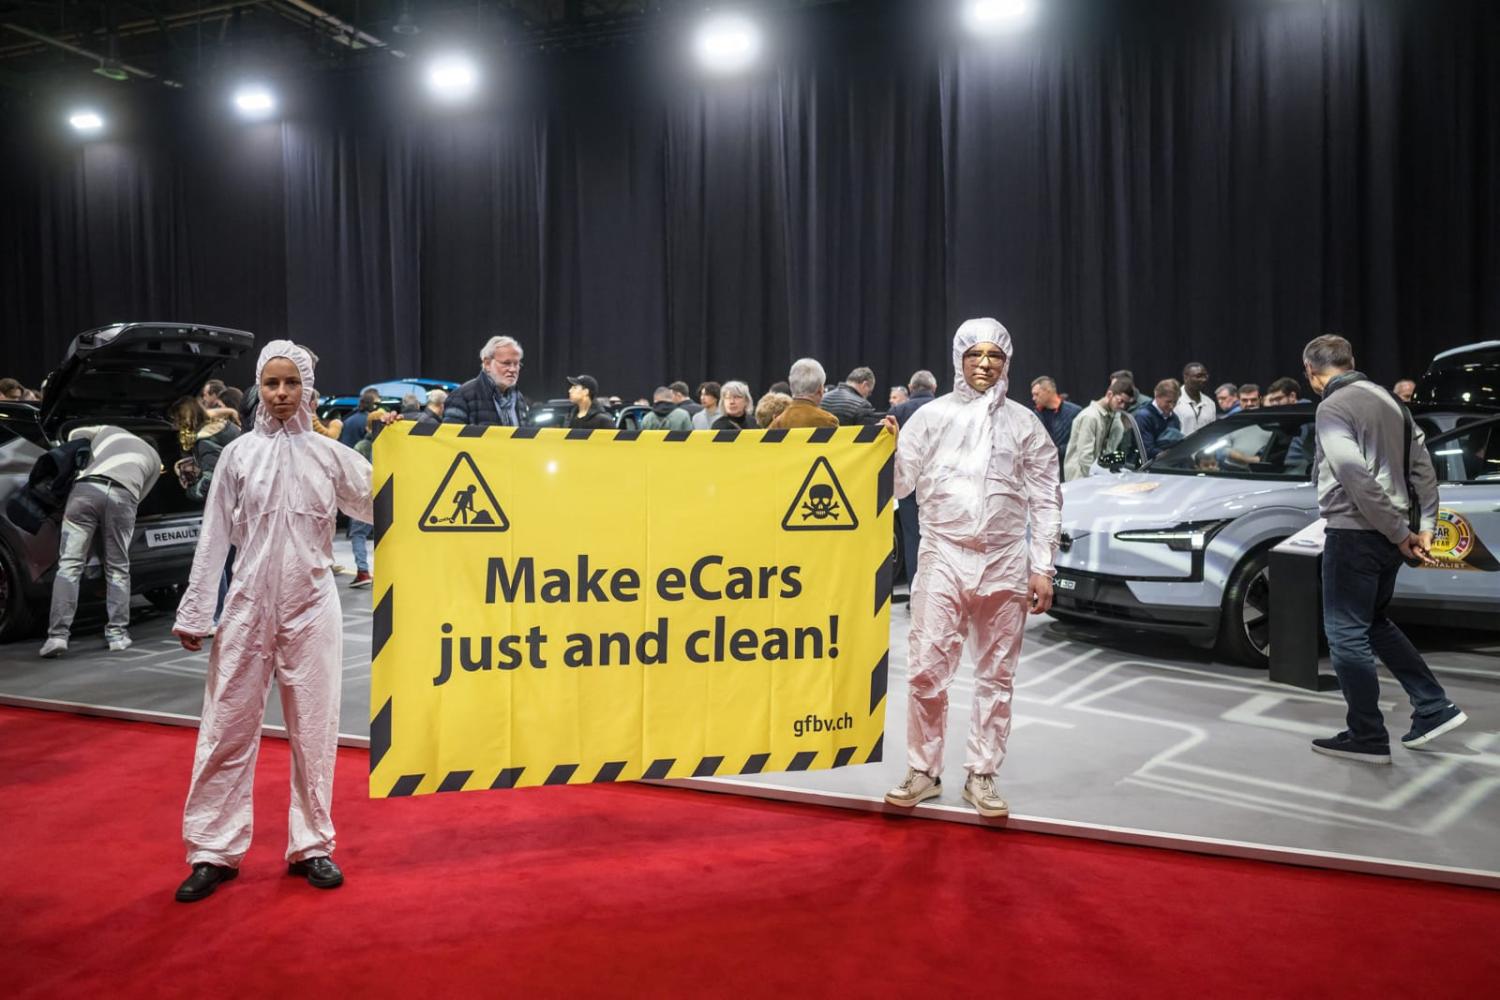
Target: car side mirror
(1114, 461)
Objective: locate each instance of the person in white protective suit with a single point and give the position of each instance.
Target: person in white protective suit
(275, 496)
(985, 474)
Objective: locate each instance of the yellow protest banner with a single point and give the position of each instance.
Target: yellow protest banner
(570, 606)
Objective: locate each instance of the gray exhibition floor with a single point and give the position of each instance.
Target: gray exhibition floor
(1120, 737)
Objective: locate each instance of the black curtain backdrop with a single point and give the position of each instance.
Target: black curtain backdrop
(1131, 185)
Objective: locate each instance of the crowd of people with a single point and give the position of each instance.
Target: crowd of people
(977, 482)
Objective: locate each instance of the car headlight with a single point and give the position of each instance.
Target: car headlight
(1190, 536)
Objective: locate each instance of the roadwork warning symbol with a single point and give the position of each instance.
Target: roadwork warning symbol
(820, 505)
(463, 502)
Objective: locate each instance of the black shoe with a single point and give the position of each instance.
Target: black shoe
(204, 880)
(1343, 745)
(1424, 731)
(321, 872)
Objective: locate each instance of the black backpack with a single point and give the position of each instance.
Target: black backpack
(46, 489)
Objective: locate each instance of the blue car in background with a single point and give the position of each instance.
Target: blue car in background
(1182, 546)
(391, 395)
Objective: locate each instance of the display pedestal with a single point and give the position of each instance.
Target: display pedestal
(1297, 611)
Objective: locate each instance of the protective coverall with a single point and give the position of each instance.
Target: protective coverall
(275, 496)
(983, 468)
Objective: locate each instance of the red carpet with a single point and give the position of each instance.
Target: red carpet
(631, 890)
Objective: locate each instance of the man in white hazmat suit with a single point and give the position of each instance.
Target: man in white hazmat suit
(984, 471)
(275, 496)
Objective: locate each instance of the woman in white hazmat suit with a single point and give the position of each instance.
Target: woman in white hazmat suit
(275, 496)
(984, 470)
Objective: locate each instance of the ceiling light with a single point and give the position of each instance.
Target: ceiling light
(86, 121)
(999, 17)
(727, 43)
(452, 77)
(254, 101)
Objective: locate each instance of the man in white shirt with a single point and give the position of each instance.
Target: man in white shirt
(1196, 407)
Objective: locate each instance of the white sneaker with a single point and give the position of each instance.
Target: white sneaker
(119, 645)
(54, 646)
(916, 787)
(979, 791)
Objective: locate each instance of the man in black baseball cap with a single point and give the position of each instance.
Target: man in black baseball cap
(583, 392)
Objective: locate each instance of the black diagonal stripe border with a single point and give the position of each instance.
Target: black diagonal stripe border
(884, 579)
(756, 763)
(868, 433)
(610, 771)
(822, 435)
(803, 760)
(675, 436)
(561, 774)
(842, 758)
(508, 777)
(878, 681)
(380, 630)
(385, 502)
(885, 485)
(579, 433)
(659, 769)
(526, 433)
(473, 430)
(876, 751)
(455, 781)
(774, 435)
(707, 767)
(422, 429)
(406, 785)
(380, 734)
(628, 434)
(725, 434)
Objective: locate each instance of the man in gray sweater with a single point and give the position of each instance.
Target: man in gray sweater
(1378, 492)
(121, 471)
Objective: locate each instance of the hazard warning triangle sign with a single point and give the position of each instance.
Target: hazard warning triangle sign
(820, 505)
(463, 502)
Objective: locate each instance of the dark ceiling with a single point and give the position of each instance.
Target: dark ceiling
(178, 43)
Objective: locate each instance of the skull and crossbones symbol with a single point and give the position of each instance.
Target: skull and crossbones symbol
(820, 504)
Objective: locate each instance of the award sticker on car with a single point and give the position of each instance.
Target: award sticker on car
(1455, 545)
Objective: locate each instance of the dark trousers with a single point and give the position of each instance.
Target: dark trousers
(910, 534)
(1359, 576)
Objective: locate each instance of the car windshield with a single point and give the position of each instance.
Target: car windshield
(1271, 443)
(1470, 454)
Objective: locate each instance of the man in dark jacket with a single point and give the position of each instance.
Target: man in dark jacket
(850, 402)
(1057, 414)
(583, 392)
(359, 421)
(432, 413)
(1158, 421)
(491, 397)
(920, 389)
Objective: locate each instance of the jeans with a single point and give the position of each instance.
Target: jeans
(359, 533)
(109, 511)
(1359, 576)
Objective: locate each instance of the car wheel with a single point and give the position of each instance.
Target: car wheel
(165, 598)
(15, 613)
(1245, 623)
